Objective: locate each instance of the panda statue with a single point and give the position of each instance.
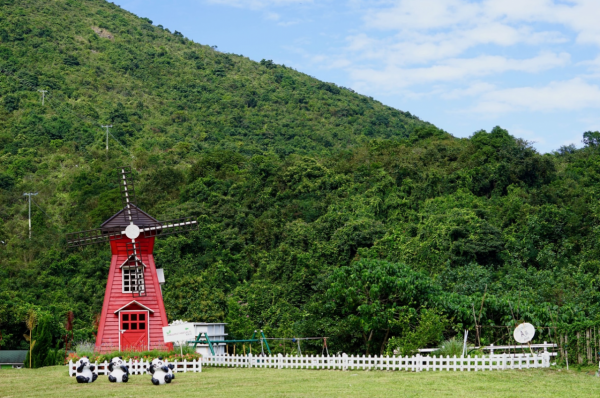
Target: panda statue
(162, 371)
(85, 371)
(119, 372)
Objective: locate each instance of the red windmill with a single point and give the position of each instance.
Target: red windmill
(133, 312)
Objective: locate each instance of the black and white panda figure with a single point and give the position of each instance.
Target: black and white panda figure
(85, 371)
(162, 371)
(119, 372)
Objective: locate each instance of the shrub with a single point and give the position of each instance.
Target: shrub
(85, 348)
(450, 348)
(6, 181)
(11, 103)
(55, 357)
(71, 60)
(41, 350)
(429, 331)
(188, 353)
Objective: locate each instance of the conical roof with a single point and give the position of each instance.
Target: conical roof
(121, 220)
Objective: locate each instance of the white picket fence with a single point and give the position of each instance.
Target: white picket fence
(515, 350)
(415, 363)
(141, 367)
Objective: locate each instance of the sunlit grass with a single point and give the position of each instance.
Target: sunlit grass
(223, 382)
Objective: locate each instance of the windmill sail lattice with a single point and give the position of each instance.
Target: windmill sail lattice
(134, 255)
(131, 228)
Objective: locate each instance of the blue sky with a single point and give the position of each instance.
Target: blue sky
(530, 66)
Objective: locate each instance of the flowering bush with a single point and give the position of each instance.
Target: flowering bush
(138, 356)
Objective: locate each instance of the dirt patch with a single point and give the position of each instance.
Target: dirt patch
(103, 33)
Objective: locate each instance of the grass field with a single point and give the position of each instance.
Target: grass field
(222, 382)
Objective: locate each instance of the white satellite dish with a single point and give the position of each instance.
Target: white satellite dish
(524, 333)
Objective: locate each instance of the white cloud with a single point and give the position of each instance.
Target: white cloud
(272, 16)
(290, 23)
(593, 63)
(452, 70)
(473, 90)
(567, 95)
(256, 4)
(579, 15)
(450, 49)
(464, 49)
(429, 30)
(422, 14)
(411, 48)
(528, 135)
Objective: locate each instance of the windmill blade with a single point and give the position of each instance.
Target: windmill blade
(127, 193)
(90, 237)
(135, 269)
(171, 227)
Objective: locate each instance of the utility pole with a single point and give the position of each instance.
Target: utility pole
(43, 95)
(107, 127)
(30, 194)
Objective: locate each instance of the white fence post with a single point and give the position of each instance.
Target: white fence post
(545, 359)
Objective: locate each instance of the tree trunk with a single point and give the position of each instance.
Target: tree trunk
(369, 341)
(387, 332)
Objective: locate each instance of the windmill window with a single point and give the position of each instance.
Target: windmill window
(133, 279)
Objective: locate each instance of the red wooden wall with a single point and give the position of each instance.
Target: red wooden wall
(108, 329)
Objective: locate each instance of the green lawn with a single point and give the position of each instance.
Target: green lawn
(223, 382)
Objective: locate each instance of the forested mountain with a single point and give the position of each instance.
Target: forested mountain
(322, 212)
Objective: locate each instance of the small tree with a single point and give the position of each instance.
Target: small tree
(591, 138)
(43, 345)
(429, 330)
(31, 321)
(378, 298)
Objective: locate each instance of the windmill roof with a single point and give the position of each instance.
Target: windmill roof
(134, 303)
(120, 219)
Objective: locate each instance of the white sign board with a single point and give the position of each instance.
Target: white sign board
(524, 333)
(179, 333)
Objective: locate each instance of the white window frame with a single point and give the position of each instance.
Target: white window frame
(129, 279)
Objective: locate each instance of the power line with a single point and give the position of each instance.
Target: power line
(126, 150)
(39, 207)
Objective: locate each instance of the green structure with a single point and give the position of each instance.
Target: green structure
(203, 338)
(12, 358)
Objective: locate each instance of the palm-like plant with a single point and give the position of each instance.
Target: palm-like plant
(31, 321)
(450, 348)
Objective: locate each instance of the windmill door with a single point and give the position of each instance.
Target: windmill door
(134, 330)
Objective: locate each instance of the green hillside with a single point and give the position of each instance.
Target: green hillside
(322, 212)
